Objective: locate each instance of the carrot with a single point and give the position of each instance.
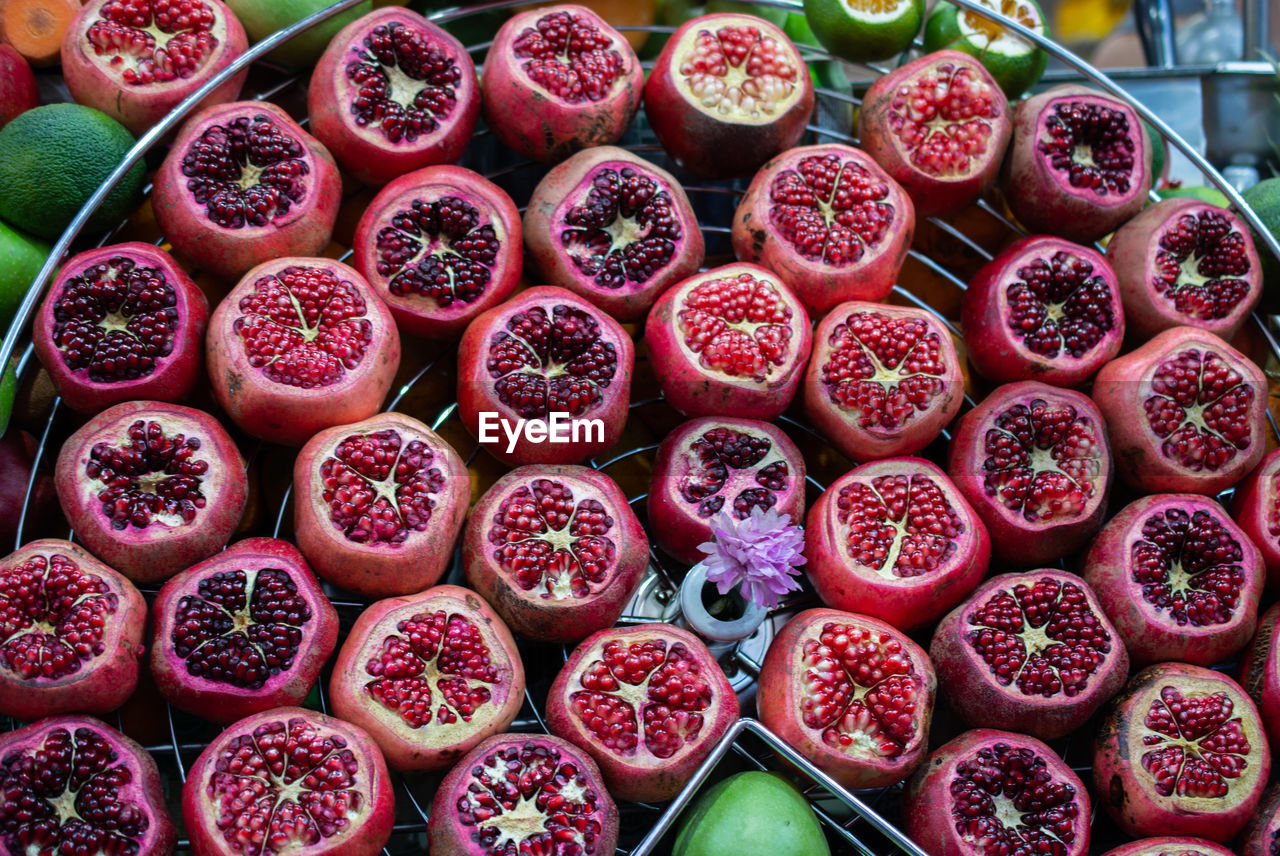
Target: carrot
(35, 27)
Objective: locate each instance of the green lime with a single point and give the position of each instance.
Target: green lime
(1159, 154)
(865, 30)
(21, 257)
(1015, 63)
(1264, 199)
(1196, 191)
(826, 73)
(751, 814)
(261, 18)
(8, 389)
(53, 158)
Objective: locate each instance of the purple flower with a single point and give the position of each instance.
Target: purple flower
(760, 554)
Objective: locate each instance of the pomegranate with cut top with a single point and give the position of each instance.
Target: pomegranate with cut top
(1255, 507)
(1172, 845)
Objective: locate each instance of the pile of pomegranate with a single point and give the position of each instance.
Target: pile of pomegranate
(1051, 524)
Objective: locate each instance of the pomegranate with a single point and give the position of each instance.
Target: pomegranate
(883, 380)
(1261, 836)
(1178, 579)
(648, 702)
(731, 341)
(16, 479)
(151, 488)
(829, 222)
(447, 640)
(939, 126)
(557, 550)
(135, 60)
(1079, 164)
(1255, 506)
(1259, 673)
(378, 505)
(392, 93)
(994, 791)
(523, 793)
(1172, 845)
(709, 462)
(72, 632)
(75, 785)
(728, 92)
(286, 780)
(440, 246)
(300, 345)
(1186, 262)
(18, 92)
(548, 357)
(1035, 462)
(1187, 413)
(1181, 752)
(613, 227)
(851, 694)
(243, 183)
(120, 323)
(559, 79)
(894, 539)
(242, 632)
(1043, 309)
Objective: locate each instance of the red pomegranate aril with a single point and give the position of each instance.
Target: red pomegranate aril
(1261, 836)
(1172, 845)
(1259, 673)
(1255, 507)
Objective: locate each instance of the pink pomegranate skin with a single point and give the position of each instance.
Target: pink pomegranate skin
(850, 693)
(1186, 413)
(1255, 507)
(1258, 838)
(18, 92)
(1172, 845)
(1259, 673)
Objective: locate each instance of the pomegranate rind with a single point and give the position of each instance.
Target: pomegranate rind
(220, 701)
(991, 335)
(783, 700)
(364, 151)
(820, 285)
(102, 681)
(417, 314)
(1173, 845)
(1255, 507)
(1128, 791)
(643, 776)
(95, 82)
(532, 612)
(567, 186)
(674, 521)
(175, 374)
(971, 687)
(365, 831)
(909, 602)
(161, 549)
(1259, 673)
(227, 253)
(1124, 385)
(1259, 835)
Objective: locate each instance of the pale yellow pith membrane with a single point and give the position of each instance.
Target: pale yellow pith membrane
(750, 100)
(559, 578)
(525, 820)
(990, 36)
(160, 42)
(1042, 460)
(864, 734)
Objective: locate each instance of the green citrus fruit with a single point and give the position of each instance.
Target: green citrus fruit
(865, 30)
(828, 74)
(1197, 191)
(1016, 63)
(261, 18)
(751, 814)
(21, 257)
(1264, 198)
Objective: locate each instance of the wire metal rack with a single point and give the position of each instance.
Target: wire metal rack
(945, 254)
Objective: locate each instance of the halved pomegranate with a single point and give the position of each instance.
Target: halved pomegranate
(378, 504)
(151, 488)
(939, 125)
(1174, 845)
(717, 465)
(648, 702)
(429, 675)
(393, 92)
(827, 220)
(299, 345)
(1043, 309)
(883, 380)
(730, 341)
(895, 539)
(1186, 412)
(1259, 673)
(1035, 462)
(71, 635)
(439, 246)
(851, 694)
(728, 92)
(1181, 752)
(1255, 506)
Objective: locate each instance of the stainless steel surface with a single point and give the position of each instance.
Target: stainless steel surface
(1257, 21)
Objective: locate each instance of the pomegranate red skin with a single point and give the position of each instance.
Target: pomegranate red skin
(222, 702)
(529, 612)
(1259, 673)
(407, 749)
(782, 700)
(1253, 507)
(380, 569)
(105, 680)
(18, 92)
(1173, 845)
(539, 124)
(907, 603)
(1259, 834)
(820, 285)
(176, 374)
(996, 350)
(932, 194)
(365, 152)
(95, 82)
(1123, 385)
(227, 253)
